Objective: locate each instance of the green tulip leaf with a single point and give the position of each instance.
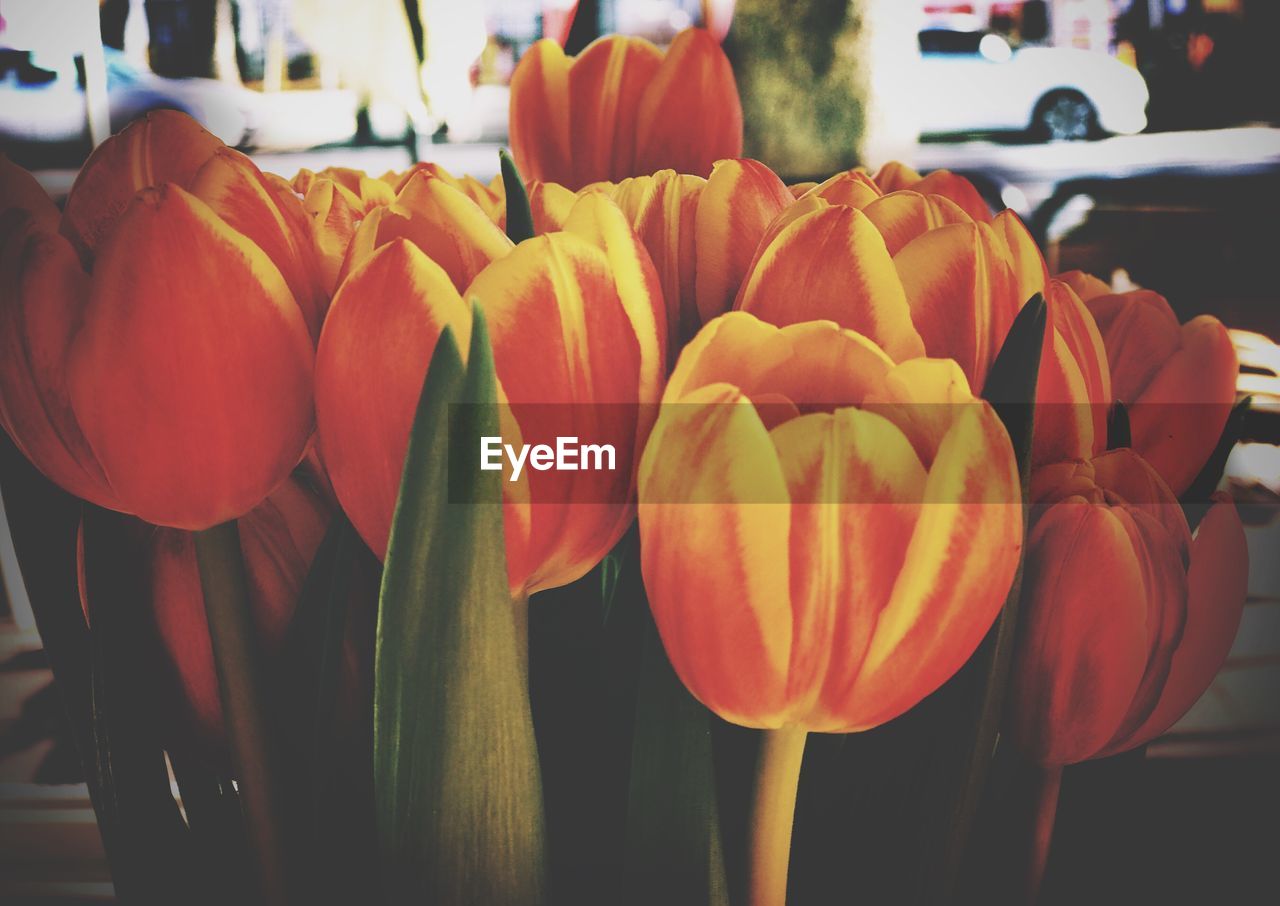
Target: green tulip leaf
(673, 847)
(519, 214)
(457, 787)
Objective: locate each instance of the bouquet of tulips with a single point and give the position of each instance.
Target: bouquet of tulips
(875, 477)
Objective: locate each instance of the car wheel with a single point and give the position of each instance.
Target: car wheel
(1064, 116)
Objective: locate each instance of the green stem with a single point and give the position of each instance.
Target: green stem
(1049, 783)
(226, 601)
(773, 812)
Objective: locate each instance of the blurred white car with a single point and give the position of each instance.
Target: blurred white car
(974, 81)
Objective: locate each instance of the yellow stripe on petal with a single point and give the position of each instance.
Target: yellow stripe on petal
(712, 492)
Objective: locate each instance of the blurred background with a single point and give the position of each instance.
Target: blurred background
(1138, 138)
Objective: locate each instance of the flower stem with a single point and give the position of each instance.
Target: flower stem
(1046, 810)
(226, 601)
(773, 813)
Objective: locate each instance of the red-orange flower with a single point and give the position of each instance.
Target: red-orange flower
(172, 378)
(576, 323)
(920, 275)
(826, 535)
(624, 108)
(1178, 381)
(1126, 617)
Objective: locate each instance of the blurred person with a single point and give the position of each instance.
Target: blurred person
(369, 47)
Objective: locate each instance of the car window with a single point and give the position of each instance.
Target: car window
(943, 41)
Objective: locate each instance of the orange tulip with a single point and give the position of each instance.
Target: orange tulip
(701, 233)
(861, 519)
(173, 379)
(336, 199)
(624, 108)
(437, 218)
(577, 328)
(1177, 381)
(919, 275)
(1126, 617)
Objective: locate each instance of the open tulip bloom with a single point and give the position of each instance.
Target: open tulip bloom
(866, 436)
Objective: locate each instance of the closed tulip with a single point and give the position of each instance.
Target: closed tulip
(438, 219)
(576, 323)
(919, 275)
(1126, 618)
(165, 370)
(700, 233)
(826, 535)
(1178, 381)
(624, 108)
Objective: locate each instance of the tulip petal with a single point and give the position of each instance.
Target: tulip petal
(1030, 273)
(851, 187)
(815, 365)
(19, 189)
(741, 199)
(596, 219)
(902, 216)
(550, 204)
(855, 485)
(727, 630)
(690, 115)
(832, 264)
(570, 363)
(1164, 577)
(238, 192)
(956, 574)
(956, 188)
(193, 386)
(441, 221)
(606, 83)
(1178, 418)
(162, 147)
(1084, 631)
(1141, 333)
(333, 223)
(1217, 583)
(381, 331)
(43, 292)
(962, 294)
(539, 118)
(896, 175)
(1086, 286)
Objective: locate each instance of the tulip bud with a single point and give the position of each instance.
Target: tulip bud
(624, 108)
(1126, 618)
(920, 275)
(1178, 382)
(191, 374)
(437, 218)
(826, 536)
(576, 325)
